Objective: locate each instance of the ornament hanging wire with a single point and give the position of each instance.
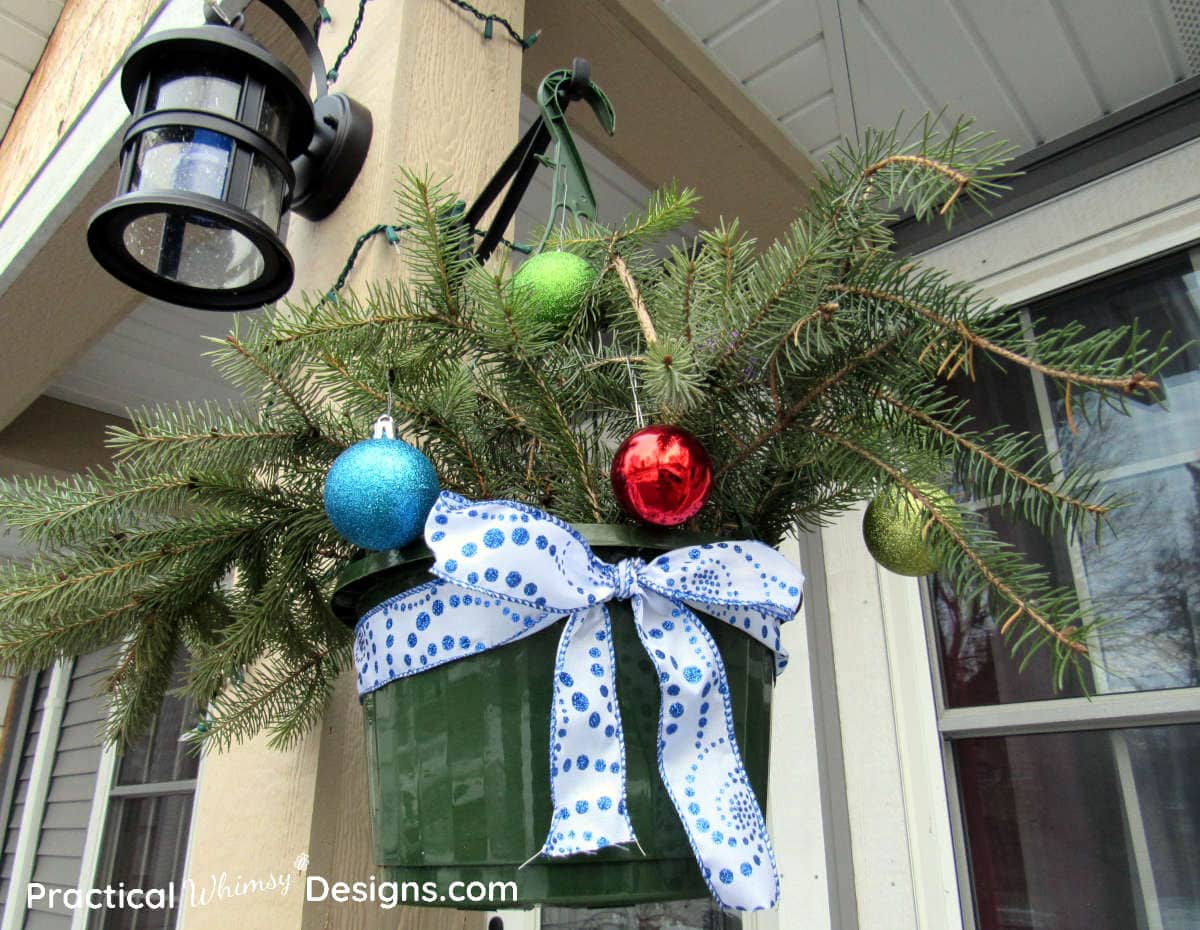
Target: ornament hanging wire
(637, 407)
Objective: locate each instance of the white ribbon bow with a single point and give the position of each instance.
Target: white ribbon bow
(507, 571)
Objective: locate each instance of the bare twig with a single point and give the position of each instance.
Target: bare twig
(635, 298)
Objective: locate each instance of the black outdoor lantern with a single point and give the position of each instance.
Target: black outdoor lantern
(223, 140)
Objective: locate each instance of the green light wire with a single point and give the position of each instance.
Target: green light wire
(488, 19)
(332, 75)
(392, 231)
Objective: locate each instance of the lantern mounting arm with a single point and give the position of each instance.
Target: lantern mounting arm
(232, 13)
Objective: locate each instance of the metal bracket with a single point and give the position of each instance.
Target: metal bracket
(226, 12)
(572, 191)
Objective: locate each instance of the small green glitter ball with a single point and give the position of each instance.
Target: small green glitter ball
(892, 528)
(551, 286)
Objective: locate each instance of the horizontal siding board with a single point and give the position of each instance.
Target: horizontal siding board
(56, 870)
(78, 761)
(817, 127)
(67, 814)
(19, 43)
(794, 82)
(79, 737)
(706, 18)
(91, 685)
(82, 713)
(71, 788)
(767, 37)
(40, 14)
(93, 662)
(55, 906)
(41, 920)
(62, 842)
(12, 81)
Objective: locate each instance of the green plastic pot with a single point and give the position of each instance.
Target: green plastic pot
(458, 756)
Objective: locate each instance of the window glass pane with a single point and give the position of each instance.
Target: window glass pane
(977, 667)
(1162, 298)
(145, 835)
(159, 756)
(148, 842)
(1149, 577)
(1146, 574)
(1084, 831)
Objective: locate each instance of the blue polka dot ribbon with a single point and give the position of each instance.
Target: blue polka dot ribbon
(505, 571)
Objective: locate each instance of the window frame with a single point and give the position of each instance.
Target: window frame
(99, 850)
(1029, 279)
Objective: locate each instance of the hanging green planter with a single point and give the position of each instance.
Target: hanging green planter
(459, 756)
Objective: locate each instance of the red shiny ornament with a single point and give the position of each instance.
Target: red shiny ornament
(662, 475)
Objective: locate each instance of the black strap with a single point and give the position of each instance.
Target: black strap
(520, 165)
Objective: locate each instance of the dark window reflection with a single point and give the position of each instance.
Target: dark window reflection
(1144, 574)
(1084, 831)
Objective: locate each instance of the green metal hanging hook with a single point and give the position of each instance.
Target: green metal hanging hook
(572, 190)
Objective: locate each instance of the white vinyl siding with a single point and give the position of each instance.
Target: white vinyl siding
(68, 799)
(22, 768)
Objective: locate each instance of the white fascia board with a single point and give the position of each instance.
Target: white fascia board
(81, 157)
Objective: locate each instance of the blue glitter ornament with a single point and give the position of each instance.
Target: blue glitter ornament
(379, 491)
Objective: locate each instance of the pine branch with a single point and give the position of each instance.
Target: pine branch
(785, 420)
(1090, 508)
(1129, 384)
(1067, 638)
(280, 384)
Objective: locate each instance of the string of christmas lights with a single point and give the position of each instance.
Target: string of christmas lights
(391, 231)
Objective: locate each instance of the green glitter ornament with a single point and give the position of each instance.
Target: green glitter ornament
(550, 287)
(893, 525)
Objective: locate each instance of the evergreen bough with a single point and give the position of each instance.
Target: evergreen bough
(814, 370)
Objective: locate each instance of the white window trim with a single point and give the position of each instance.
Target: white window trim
(93, 844)
(1114, 222)
(30, 831)
(93, 841)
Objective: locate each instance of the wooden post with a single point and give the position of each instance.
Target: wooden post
(444, 100)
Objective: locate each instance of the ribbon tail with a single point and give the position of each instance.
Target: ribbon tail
(698, 757)
(587, 747)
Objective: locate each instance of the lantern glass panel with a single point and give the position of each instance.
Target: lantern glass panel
(274, 120)
(265, 197)
(196, 88)
(194, 250)
(182, 158)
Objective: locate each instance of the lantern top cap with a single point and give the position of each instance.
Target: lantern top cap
(211, 45)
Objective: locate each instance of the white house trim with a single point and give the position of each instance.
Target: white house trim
(30, 831)
(76, 164)
(1144, 210)
(93, 843)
